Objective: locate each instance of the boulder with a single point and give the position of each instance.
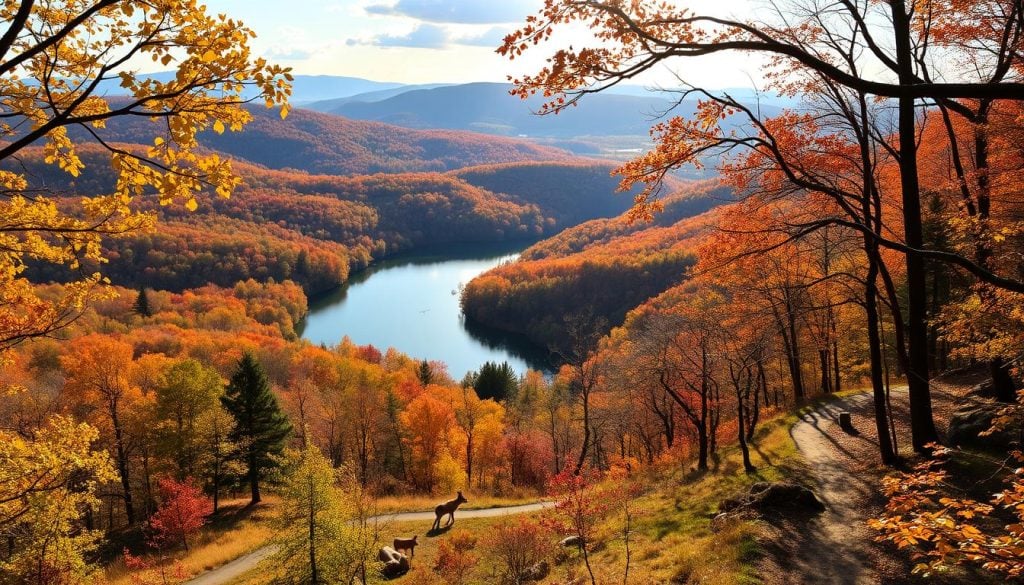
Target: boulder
(571, 541)
(765, 497)
(974, 416)
(395, 563)
(537, 572)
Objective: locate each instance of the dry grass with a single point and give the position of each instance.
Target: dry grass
(238, 530)
(671, 542)
(426, 552)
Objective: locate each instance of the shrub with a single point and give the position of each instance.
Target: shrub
(455, 559)
(517, 546)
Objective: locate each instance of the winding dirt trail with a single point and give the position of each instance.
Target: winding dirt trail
(836, 548)
(245, 563)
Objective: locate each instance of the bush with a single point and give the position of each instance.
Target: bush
(518, 546)
(455, 559)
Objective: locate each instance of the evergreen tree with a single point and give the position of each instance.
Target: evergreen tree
(495, 381)
(425, 375)
(142, 303)
(302, 264)
(260, 427)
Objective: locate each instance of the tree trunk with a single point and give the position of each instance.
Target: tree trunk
(469, 460)
(792, 364)
(216, 487)
(826, 385)
(702, 428)
(122, 463)
(794, 358)
(922, 424)
(313, 576)
(755, 413)
(885, 447)
(740, 427)
(585, 447)
(836, 385)
(702, 448)
(254, 481)
(1002, 381)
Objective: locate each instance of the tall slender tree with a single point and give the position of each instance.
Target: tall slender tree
(142, 303)
(261, 428)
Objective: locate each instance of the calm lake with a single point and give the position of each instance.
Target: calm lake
(411, 302)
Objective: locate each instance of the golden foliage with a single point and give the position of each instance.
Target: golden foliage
(53, 59)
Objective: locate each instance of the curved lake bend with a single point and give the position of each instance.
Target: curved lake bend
(411, 302)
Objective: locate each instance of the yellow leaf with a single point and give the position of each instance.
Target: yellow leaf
(218, 127)
(209, 56)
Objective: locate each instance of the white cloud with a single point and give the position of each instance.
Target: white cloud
(459, 11)
(424, 36)
(492, 37)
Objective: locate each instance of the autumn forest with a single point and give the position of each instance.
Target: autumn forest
(782, 342)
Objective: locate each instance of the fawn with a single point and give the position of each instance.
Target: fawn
(409, 544)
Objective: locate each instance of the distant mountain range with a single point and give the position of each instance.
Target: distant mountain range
(488, 108)
(318, 143)
(305, 88)
(614, 124)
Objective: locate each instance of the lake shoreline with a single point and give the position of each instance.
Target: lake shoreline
(410, 301)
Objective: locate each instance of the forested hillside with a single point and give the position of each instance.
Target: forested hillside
(319, 143)
(565, 278)
(315, 229)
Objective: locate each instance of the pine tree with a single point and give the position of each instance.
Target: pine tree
(260, 427)
(425, 374)
(495, 381)
(142, 303)
(302, 264)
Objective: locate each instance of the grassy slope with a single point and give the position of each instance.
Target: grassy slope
(238, 529)
(672, 539)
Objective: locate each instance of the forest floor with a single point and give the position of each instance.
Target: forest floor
(837, 547)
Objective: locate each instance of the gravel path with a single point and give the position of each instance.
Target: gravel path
(243, 564)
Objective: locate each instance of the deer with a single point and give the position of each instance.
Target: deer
(409, 544)
(448, 508)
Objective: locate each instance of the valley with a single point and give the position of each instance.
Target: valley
(265, 325)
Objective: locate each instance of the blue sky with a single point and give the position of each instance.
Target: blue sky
(418, 41)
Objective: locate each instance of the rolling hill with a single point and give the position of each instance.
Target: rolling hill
(487, 107)
(314, 142)
(613, 126)
(566, 276)
(325, 208)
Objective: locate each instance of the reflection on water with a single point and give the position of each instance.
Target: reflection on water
(411, 303)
